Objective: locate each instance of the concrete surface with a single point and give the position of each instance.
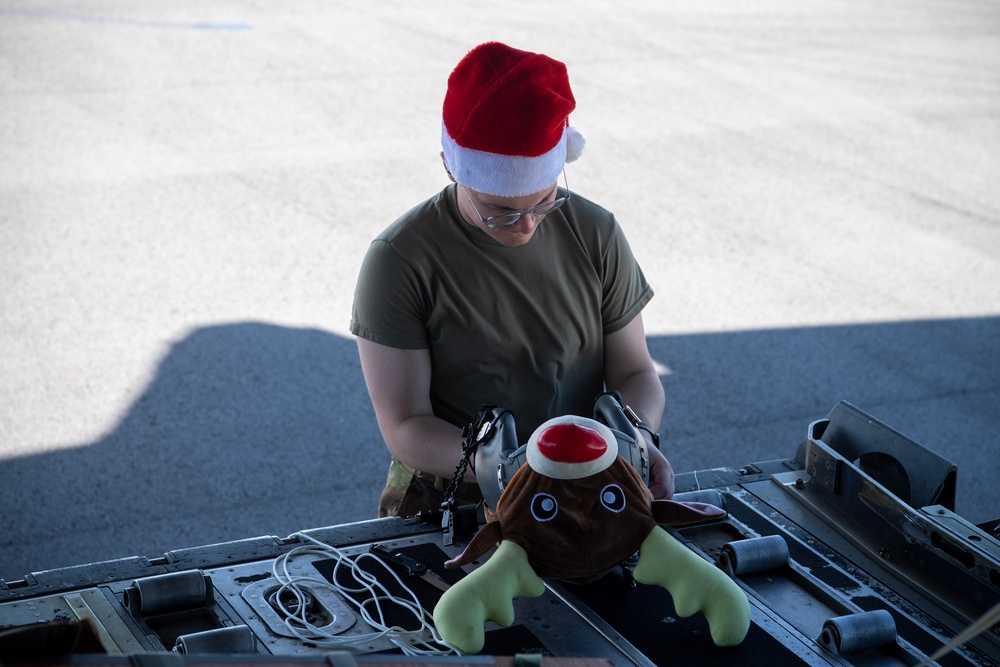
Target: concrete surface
(187, 189)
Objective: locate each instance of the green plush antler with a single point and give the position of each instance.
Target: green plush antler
(695, 585)
(486, 594)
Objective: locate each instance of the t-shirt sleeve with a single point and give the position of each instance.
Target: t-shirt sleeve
(389, 300)
(626, 291)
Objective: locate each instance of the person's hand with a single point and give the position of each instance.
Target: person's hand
(661, 473)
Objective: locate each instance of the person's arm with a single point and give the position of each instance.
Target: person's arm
(629, 369)
(399, 385)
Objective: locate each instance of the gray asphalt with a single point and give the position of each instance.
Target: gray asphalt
(187, 190)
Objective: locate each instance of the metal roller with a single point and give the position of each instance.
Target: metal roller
(237, 640)
(754, 555)
(168, 592)
(857, 632)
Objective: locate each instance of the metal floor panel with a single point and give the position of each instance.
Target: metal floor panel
(830, 582)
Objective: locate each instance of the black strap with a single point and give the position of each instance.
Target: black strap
(475, 433)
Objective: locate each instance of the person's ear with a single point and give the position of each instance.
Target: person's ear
(448, 171)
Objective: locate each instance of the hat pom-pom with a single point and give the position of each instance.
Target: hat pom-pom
(574, 144)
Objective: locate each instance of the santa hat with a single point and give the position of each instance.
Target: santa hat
(571, 447)
(505, 124)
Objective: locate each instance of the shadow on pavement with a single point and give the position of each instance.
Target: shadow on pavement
(254, 429)
(246, 429)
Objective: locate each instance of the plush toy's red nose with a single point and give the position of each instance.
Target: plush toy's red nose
(571, 443)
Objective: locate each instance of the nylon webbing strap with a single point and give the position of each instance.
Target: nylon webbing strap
(528, 660)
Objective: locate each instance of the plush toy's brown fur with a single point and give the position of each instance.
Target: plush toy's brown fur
(585, 539)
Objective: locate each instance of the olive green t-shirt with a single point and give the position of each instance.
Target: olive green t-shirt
(522, 328)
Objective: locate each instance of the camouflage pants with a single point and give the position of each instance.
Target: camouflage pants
(408, 491)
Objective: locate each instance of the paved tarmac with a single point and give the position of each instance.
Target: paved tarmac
(187, 190)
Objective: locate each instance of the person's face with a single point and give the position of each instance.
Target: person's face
(475, 206)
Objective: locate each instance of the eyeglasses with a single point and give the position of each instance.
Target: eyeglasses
(507, 219)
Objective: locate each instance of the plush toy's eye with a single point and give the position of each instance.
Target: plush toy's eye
(544, 507)
(613, 498)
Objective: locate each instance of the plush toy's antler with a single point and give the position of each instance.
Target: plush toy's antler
(485, 594)
(695, 585)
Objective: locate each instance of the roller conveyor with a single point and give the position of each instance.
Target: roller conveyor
(849, 552)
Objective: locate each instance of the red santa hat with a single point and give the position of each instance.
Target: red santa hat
(571, 447)
(505, 127)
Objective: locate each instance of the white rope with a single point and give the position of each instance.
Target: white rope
(984, 623)
(423, 641)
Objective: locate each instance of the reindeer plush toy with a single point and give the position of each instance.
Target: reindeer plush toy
(574, 511)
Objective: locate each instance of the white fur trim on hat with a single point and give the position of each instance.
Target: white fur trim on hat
(508, 175)
(583, 466)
